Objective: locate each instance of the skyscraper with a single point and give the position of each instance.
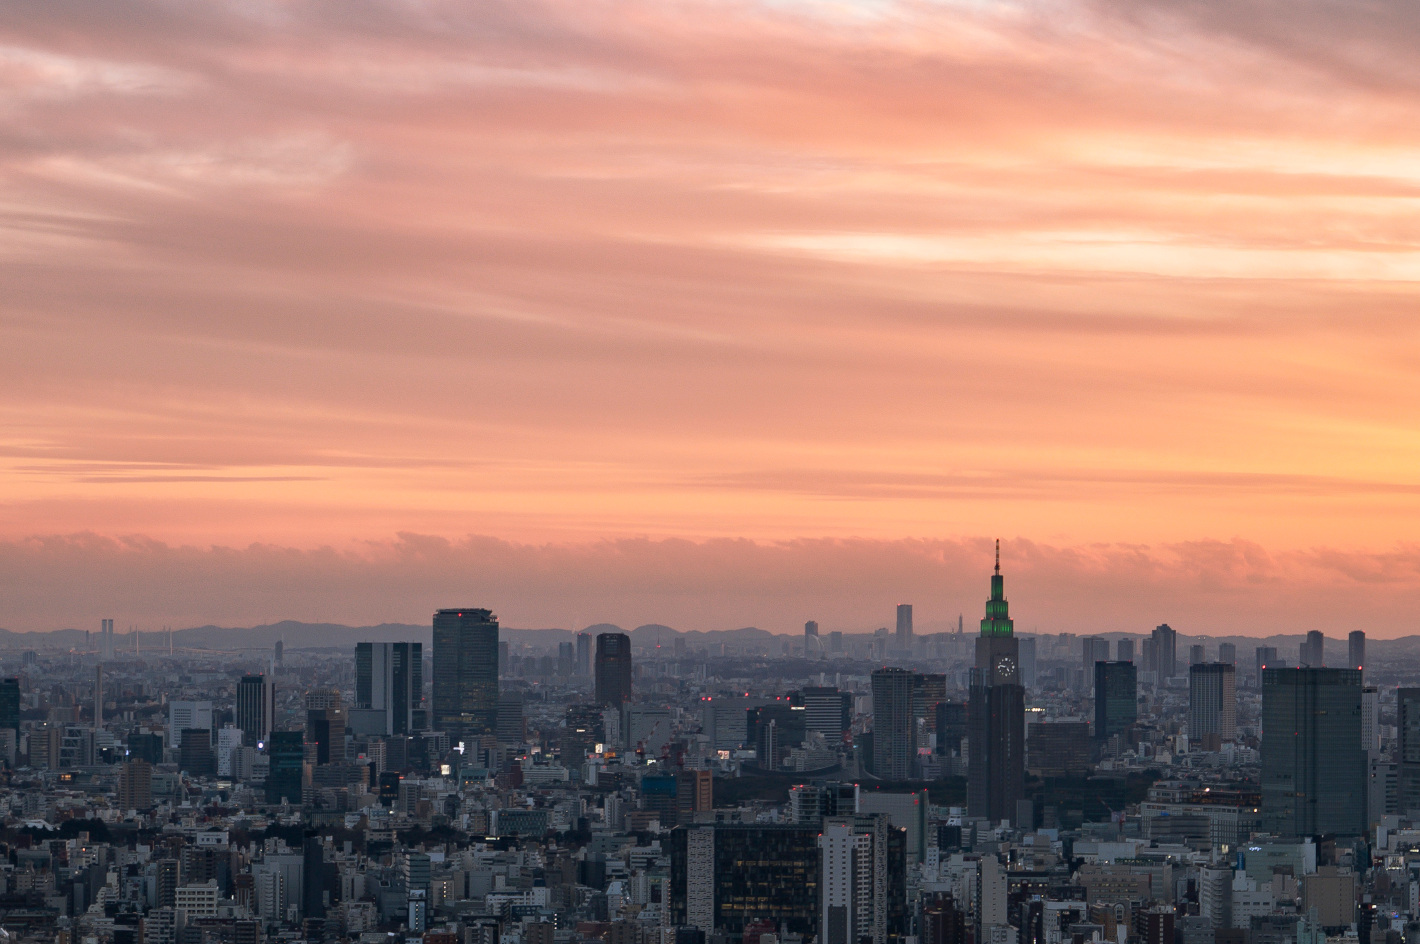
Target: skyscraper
(389, 688)
(613, 687)
(1407, 753)
(1093, 649)
(1228, 652)
(1313, 767)
(325, 726)
(1356, 650)
(1313, 650)
(584, 654)
(829, 712)
(811, 628)
(1125, 650)
(996, 713)
(860, 901)
(1212, 703)
(10, 704)
(1116, 698)
(904, 626)
(1165, 651)
(894, 727)
(726, 876)
(256, 707)
(1197, 655)
(286, 750)
(106, 642)
(1266, 659)
(465, 673)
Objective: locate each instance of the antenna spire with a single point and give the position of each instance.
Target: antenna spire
(998, 555)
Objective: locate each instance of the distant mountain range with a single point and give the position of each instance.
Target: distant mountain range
(297, 635)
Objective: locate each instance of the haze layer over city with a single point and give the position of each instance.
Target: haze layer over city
(709, 472)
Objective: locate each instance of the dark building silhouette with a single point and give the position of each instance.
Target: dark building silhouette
(195, 754)
(894, 723)
(996, 713)
(613, 667)
(904, 626)
(827, 711)
(287, 752)
(465, 673)
(256, 708)
(1212, 704)
(1313, 765)
(725, 877)
(389, 688)
(10, 704)
(1116, 698)
(1165, 651)
(325, 726)
(1313, 650)
(951, 726)
(1356, 650)
(1407, 753)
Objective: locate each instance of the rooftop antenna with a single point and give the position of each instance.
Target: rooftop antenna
(998, 555)
(135, 641)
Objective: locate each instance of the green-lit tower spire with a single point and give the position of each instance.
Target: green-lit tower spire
(998, 619)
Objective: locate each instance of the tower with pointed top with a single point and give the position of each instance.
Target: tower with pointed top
(996, 714)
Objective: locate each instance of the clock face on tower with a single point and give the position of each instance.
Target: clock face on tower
(1006, 667)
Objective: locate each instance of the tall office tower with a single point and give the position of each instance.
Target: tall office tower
(195, 753)
(1197, 655)
(1407, 752)
(894, 727)
(1266, 659)
(287, 752)
(256, 707)
(106, 647)
(811, 628)
(1148, 654)
(1165, 651)
(1313, 650)
(904, 626)
(1212, 704)
(613, 687)
(135, 785)
(727, 876)
(187, 714)
(512, 729)
(10, 704)
(829, 712)
(1093, 649)
(99, 695)
(389, 689)
(1116, 698)
(996, 714)
(1227, 652)
(584, 654)
(1370, 719)
(951, 727)
(1313, 768)
(1356, 650)
(1027, 663)
(567, 656)
(809, 803)
(928, 690)
(859, 895)
(465, 673)
(325, 726)
(278, 654)
(1124, 650)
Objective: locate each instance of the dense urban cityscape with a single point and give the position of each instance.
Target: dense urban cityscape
(884, 788)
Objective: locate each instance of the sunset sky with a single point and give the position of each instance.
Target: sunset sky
(711, 313)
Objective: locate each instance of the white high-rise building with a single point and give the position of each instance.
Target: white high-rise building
(854, 895)
(229, 739)
(183, 715)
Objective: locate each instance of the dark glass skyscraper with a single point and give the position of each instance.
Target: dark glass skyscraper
(725, 876)
(1212, 704)
(1407, 753)
(1165, 661)
(1116, 698)
(389, 688)
(996, 713)
(256, 704)
(1313, 765)
(286, 750)
(1356, 650)
(894, 724)
(10, 704)
(465, 673)
(613, 669)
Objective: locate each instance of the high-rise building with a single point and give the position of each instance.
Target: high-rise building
(1313, 768)
(1266, 659)
(1027, 663)
(256, 707)
(1228, 652)
(809, 803)
(196, 756)
(389, 689)
(187, 714)
(512, 728)
(135, 785)
(106, 641)
(894, 726)
(287, 751)
(860, 901)
(1093, 649)
(1313, 650)
(952, 727)
(465, 673)
(1116, 698)
(1407, 753)
(1212, 704)
(613, 685)
(904, 626)
(727, 876)
(829, 712)
(1197, 655)
(1124, 650)
(325, 726)
(1165, 651)
(996, 713)
(584, 654)
(10, 704)
(811, 628)
(1356, 650)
